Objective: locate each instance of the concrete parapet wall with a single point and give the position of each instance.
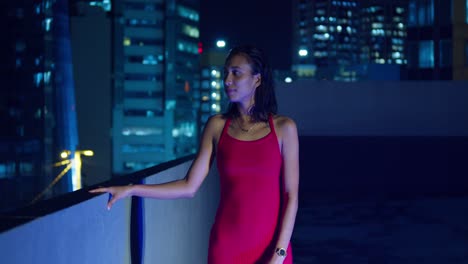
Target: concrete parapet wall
(411, 108)
(174, 231)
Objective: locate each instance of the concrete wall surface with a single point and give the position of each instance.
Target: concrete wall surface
(177, 231)
(174, 231)
(376, 108)
(84, 233)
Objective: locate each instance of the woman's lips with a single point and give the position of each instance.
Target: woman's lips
(230, 91)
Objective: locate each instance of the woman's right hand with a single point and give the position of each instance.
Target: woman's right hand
(116, 193)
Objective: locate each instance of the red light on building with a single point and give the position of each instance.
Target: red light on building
(200, 48)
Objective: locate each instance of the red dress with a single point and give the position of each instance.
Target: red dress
(250, 209)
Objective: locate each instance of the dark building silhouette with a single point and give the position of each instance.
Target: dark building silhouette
(37, 109)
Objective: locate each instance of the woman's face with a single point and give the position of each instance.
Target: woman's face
(239, 82)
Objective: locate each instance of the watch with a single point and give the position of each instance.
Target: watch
(281, 252)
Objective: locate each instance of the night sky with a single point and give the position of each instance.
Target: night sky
(266, 24)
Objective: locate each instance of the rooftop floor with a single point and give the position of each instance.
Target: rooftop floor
(429, 230)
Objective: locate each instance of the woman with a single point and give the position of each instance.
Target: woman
(258, 163)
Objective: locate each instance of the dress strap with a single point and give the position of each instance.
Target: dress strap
(272, 124)
(225, 129)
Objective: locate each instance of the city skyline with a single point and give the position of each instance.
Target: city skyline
(138, 72)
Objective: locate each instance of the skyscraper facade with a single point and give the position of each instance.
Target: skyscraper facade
(155, 82)
(90, 26)
(37, 100)
(383, 26)
(437, 37)
(213, 98)
(343, 40)
(325, 38)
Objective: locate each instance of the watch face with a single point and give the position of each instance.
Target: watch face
(281, 252)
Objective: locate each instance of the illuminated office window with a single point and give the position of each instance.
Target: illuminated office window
(190, 31)
(136, 148)
(134, 166)
(38, 77)
(47, 77)
(412, 13)
(188, 13)
(135, 22)
(7, 170)
(37, 9)
(187, 47)
(426, 54)
(149, 59)
(127, 41)
(141, 131)
(47, 23)
(421, 12)
(426, 12)
(26, 168)
(106, 5)
(145, 59)
(142, 42)
(143, 6)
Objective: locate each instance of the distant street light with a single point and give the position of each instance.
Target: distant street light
(76, 165)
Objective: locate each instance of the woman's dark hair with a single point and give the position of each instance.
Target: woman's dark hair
(265, 98)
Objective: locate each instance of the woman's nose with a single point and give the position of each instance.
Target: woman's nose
(228, 81)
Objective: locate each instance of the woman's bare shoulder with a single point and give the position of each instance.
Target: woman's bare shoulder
(284, 122)
(217, 119)
(215, 123)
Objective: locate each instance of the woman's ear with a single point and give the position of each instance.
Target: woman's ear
(258, 80)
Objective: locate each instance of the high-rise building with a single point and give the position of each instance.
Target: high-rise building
(383, 35)
(37, 104)
(213, 99)
(437, 40)
(325, 38)
(90, 26)
(348, 40)
(383, 27)
(155, 82)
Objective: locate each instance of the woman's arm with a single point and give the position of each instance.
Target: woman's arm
(183, 188)
(290, 153)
